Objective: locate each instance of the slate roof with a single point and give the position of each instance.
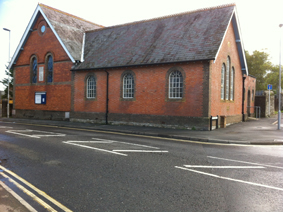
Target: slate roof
(69, 28)
(189, 36)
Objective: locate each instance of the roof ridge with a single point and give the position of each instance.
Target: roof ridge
(68, 14)
(167, 16)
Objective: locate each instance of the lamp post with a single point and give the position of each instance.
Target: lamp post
(279, 99)
(8, 106)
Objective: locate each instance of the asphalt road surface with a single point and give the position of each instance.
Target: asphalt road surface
(72, 169)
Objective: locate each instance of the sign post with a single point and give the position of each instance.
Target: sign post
(269, 87)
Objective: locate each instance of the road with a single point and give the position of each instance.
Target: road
(88, 170)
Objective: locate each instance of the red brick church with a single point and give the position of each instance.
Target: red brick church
(173, 71)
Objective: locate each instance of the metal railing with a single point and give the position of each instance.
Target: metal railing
(257, 111)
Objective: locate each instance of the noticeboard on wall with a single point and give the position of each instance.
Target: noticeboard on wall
(40, 98)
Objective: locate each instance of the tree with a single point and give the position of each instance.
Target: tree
(273, 78)
(5, 83)
(258, 66)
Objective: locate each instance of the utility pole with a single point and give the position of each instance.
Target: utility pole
(8, 106)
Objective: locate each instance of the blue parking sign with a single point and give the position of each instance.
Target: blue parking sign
(269, 87)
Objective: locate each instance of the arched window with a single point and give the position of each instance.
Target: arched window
(49, 68)
(176, 85)
(34, 70)
(232, 82)
(227, 79)
(128, 86)
(223, 71)
(91, 87)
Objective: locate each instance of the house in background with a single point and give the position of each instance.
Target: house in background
(171, 71)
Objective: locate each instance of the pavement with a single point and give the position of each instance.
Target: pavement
(263, 131)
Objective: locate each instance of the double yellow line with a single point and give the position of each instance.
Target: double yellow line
(32, 195)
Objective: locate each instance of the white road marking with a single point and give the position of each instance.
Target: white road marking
(132, 150)
(55, 202)
(115, 151)
(5, 127)
(33, 133)
(230, 179)
(95, 142)
(278, 167)
(89, 147)
(225, 167)
(21, 200)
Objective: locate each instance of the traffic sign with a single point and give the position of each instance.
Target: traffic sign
(269, 87)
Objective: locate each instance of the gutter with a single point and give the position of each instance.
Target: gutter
(243, 99)
(107, 98)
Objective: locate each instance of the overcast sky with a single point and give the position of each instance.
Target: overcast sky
(259, 20)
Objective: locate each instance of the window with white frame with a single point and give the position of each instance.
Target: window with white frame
(223, 71)
(175, 85)
(232, 81)
(91, 87)
(128, 86)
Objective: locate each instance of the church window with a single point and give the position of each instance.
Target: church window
(91, 87)
(128, 86)
(176, 85)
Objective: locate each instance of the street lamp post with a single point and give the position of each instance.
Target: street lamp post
(8, 106)
(279, 99)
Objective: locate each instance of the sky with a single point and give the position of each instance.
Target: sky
(259, 20)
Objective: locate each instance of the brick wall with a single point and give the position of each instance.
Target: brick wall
(226, 107)
(58, 93)
(151, 95)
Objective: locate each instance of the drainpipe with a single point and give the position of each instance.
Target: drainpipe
(107, 99)
(243, 100)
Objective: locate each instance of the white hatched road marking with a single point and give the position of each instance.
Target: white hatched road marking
(225, 167)
(89, 147)
(115, 151)
(239, 161)
(34, 133)
(259, 166)
(230, 179)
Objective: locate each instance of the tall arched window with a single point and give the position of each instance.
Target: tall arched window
(227, 79)
(232, 82)
(91, 87)
(128, 86)
(223, 71)
(34, 70)
(49, 68)
(176, 85)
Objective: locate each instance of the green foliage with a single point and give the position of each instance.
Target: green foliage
(5, 83)
(258, 66)
(273, 78)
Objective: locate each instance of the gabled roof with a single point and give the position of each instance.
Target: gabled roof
(68, 29)
(190, 36)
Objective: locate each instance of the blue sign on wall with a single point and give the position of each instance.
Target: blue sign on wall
(269, 87)
(40, 98)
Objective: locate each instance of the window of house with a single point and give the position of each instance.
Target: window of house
(128, 86)
(227, 79)
(223, 70)
(232, 84)
(91, 87)
(34, 70)
(49, 68)
(176, 85)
